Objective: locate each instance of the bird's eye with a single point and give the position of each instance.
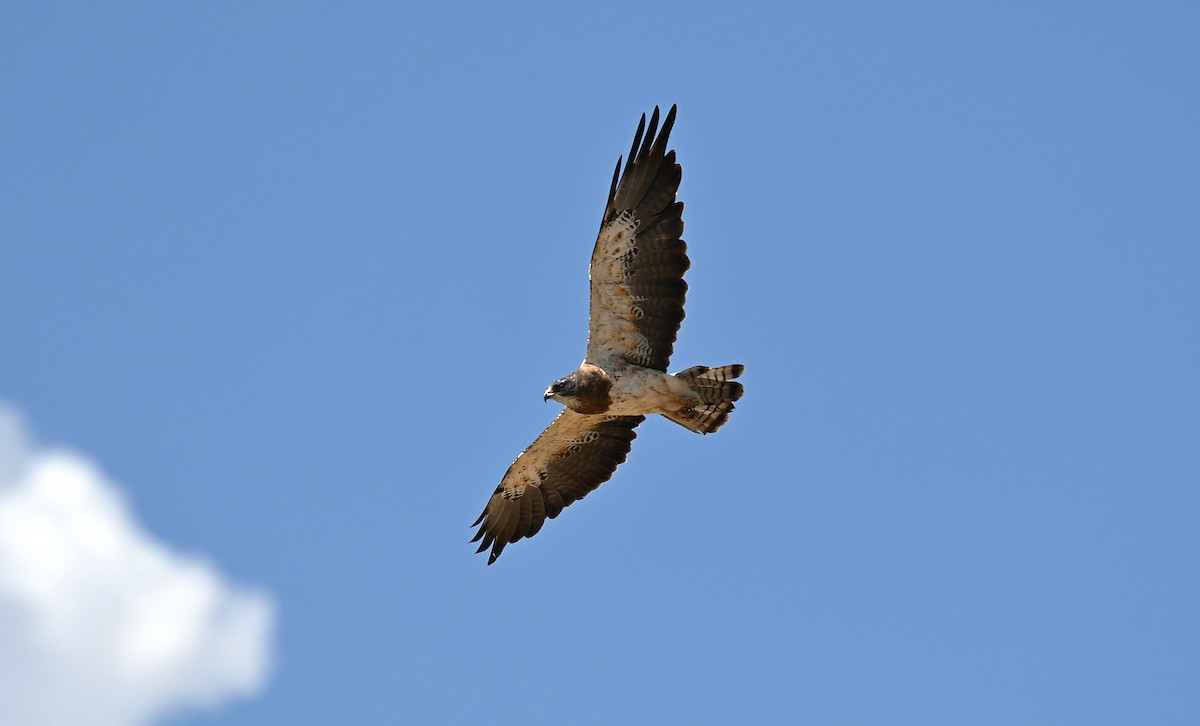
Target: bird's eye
(556, 387)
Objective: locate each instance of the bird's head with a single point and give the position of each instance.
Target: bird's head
(561, 390)
(584, 391)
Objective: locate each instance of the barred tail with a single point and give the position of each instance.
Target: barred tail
(716, 390)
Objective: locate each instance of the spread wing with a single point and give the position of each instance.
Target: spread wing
(639, 259)
(573, 456)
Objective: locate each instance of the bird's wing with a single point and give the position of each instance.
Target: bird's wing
(639, 259)
(573, 456)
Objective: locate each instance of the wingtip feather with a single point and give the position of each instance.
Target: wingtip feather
(637, 142)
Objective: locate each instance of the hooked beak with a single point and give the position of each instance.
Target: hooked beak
(547, 396)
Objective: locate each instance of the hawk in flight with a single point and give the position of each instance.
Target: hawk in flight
(637, 295)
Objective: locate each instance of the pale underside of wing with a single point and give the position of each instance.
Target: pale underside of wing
(637, 287)
(573, 456)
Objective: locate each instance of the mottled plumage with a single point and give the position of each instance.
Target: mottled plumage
(637, 298)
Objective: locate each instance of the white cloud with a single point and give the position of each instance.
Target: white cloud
(100, 623)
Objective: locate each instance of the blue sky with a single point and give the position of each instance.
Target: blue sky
(293, 277)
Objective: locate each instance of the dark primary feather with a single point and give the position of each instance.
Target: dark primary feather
(653, 275)
(566, 472)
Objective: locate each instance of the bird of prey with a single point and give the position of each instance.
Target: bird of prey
(637, 296)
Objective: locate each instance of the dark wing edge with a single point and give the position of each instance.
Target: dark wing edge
(572, 457)
(638, 291)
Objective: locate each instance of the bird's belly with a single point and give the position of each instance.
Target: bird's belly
(638, 390)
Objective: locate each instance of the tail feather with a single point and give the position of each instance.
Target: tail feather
(715, 390)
